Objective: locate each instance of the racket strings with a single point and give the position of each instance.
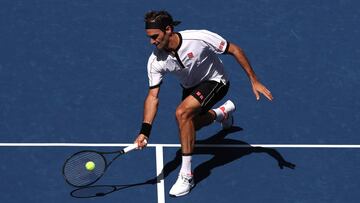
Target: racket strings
(76, 173)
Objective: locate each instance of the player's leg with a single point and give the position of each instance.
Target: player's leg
(214, 92)
(192, 114)
(194, 111)
(185, 113)
(224, 114)
(204, 119)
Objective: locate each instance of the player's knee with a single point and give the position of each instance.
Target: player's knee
(183, 114)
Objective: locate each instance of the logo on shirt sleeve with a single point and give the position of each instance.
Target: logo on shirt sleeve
(221, 46)
(190, 55)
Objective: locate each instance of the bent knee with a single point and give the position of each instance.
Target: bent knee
(184, 113)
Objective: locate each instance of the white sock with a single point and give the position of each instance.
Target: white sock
(219, 114)
(186, 165)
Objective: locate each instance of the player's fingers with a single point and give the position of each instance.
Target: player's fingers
(256, 94)
(142, 143)
(269, 96)
(266, 93)
(138, 142)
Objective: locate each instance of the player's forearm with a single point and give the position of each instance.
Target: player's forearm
(241, 58)
(150, 109)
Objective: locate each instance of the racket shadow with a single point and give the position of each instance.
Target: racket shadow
(96, 191)
(222, 155)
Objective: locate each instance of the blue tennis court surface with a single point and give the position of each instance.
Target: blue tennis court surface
(75, 72)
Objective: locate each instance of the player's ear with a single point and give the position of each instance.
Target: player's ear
(168, 29)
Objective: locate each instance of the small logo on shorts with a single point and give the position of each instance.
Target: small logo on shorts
(198, 93)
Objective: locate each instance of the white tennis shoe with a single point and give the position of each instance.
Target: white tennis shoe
(182, 186)
(228, 108)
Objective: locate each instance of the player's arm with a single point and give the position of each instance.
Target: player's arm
(241, 58)
(150, 110)
(151, 105)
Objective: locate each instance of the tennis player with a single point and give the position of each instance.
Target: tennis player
(192, 56)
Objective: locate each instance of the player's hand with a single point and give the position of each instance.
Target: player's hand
(260, 88)
(141, 141)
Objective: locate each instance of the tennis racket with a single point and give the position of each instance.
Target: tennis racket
(75, 172)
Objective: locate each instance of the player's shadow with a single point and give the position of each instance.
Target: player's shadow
(222, 155)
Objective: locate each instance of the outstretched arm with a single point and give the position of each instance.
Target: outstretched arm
(241, 58)
(151, 105)
(150, 110)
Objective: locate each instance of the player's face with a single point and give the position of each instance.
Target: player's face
(158, 38)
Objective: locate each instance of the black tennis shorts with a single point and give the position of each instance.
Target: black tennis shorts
(208, 93)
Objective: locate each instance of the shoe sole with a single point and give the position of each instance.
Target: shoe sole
(182, 194)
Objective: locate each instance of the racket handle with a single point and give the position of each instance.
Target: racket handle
(131, 147)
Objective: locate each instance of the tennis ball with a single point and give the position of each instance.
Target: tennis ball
(90, 165)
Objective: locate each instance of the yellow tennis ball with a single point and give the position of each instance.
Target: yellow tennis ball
(90, 165)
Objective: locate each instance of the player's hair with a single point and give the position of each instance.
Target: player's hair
(160, 18)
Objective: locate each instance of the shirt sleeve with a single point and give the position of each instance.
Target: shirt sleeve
(215, 42)
(155, 74)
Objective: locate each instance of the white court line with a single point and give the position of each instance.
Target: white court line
(177, 145)
(160, 175)
(159, 153)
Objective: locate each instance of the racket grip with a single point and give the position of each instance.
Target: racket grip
(131, 147)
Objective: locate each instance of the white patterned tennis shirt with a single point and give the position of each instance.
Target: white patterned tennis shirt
(195, 60)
